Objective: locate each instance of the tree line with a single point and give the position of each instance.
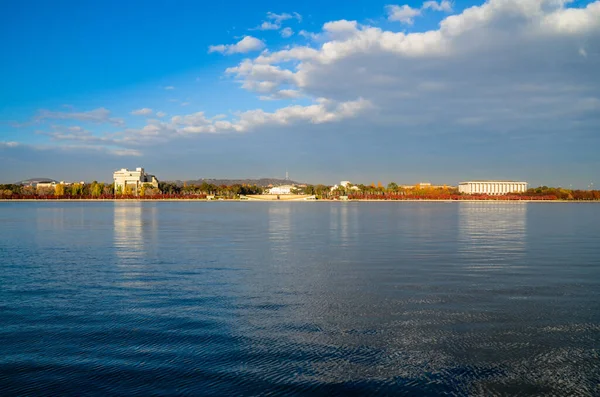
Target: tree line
(99, 190)
(170, 190)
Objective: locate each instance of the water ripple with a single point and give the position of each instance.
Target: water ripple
(334, 299)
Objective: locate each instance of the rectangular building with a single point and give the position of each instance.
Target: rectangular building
(492, 187)
(131, 181)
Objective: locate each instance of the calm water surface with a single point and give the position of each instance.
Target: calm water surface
(176, 298)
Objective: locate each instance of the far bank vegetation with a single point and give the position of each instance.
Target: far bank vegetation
(170, 190)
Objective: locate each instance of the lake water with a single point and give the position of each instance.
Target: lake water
(304, 298)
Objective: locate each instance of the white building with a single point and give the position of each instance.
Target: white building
(284, 189)
(133, 180)
(492, 187)
(46, 185)
(346, 185)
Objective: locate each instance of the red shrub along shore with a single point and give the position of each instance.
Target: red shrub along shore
(360, 196)
(447, 197)
(107, 197)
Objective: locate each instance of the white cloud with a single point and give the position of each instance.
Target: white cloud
(267, 25)
(180, 126)
(126, 152)
(274, 21)
(443, 5)
(160, 114)
(324, 111)
(245, 45)
(169, 88)
(87, 150)
(404, 14)
(279, 18)
(100, 115)
(310, 35)
(471, 70)
(142, 112)
(340, 30)
(286, 32)
(281, 94)
(76, 134)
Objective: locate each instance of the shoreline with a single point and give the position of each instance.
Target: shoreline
(295, 201)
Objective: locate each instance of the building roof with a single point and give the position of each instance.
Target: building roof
(489, 181)
(35, 181)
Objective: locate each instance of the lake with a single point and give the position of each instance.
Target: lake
(301, 298)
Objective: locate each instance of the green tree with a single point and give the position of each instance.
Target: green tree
(109, 189)
(59, 190)
(95, 189)
(310, 190)
(76, 189)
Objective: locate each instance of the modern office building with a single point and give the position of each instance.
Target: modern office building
(129, 180)
(492, 187)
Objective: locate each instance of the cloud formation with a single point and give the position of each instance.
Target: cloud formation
(286, 32)
(100, 115)
(245, 45)
(279, 18)
(443, 5)
(494, 67)
(274, 21)
(142, 112)
(406, 14)
(320, 112)
(132, 141)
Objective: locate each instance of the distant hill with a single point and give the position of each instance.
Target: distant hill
(262, 182)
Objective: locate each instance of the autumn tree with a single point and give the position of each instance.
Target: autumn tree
(76, 189)
(28, 191)
(59, 190)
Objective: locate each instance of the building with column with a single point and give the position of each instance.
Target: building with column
(131, 181)
(493, 188)
(283, 189)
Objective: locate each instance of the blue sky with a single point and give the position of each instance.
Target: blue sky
(433, 91)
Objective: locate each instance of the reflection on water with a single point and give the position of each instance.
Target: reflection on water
(280, 225)
(492, 234)
(128, 232)
(343, 223)
(279, 221)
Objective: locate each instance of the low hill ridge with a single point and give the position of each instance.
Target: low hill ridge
(262, 182)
